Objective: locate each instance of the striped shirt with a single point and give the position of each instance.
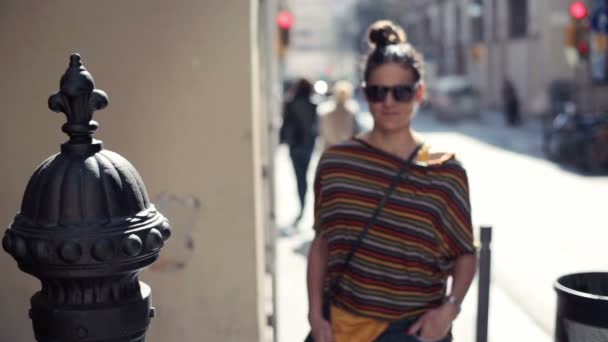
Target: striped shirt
(401, 268)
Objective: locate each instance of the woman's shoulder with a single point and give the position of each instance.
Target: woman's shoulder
(345, 150)
(342, 148)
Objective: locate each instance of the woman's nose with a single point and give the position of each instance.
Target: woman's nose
(388, 99)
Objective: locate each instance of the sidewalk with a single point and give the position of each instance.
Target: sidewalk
(492, 130)
(507, 322)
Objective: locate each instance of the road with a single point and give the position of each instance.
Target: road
(547, 220)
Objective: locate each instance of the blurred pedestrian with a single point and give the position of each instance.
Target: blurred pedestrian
(339, 124)
(392, 218)
(299, 131)
(511, 103)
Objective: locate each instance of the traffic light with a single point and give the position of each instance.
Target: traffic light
(577, 30)
(578, 10)
(285, 21)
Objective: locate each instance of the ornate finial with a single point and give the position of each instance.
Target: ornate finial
(78, 99)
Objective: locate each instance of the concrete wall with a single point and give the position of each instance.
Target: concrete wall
(182, 77)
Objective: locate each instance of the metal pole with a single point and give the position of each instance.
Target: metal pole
(483, 302)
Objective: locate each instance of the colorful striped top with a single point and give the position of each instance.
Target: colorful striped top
(401, 268)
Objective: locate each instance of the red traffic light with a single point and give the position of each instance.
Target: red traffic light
(578, 10)
(285, 20)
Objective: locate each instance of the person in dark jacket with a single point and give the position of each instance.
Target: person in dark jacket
(299, 132)
(511, 103)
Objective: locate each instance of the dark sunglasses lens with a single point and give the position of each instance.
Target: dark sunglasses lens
(403, 93)
(375, 93)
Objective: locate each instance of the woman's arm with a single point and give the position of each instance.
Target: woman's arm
(436, 323)
(317, 265)
(464, 271)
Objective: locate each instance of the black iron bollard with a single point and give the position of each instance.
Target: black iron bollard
(483, 301)
(86, 229)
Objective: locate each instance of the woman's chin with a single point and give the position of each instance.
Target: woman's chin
(392, 127)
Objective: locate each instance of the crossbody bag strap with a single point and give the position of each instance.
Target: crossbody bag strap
(334, 288)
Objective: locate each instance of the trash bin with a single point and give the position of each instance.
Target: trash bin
(582, 307)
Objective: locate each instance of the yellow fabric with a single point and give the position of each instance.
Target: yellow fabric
(351, 328)
(425, 156)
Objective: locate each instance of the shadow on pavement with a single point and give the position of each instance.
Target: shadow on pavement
(303, 249)
(287, 231)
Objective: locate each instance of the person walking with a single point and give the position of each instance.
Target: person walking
(339, 123)
(299, 132)
(392, 217)
(510, 103)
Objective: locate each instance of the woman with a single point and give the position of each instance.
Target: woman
(299, 131)
(339, 123)
(395, 286)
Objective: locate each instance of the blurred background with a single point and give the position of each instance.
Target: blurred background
(517, 88)
(537, 171)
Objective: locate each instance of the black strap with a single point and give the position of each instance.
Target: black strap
(334, 288)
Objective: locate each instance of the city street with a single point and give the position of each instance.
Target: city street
(548, 221)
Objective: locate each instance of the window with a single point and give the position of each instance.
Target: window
(518, 18)
(475, 11)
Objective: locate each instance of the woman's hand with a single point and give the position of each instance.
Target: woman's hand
(321, 329)
(435, 324)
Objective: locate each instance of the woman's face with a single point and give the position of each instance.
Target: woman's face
(392, 114)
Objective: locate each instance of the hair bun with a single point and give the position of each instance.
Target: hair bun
(385, 32)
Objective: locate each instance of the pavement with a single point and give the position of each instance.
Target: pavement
(508, 321)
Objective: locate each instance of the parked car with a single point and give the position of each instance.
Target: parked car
(454, 98)
(578, 139)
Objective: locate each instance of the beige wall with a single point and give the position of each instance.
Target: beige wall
(182, 77)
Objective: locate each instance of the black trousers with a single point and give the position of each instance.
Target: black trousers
(300, 158)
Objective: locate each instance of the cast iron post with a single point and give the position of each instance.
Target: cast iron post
(86, 229)
(483, 299)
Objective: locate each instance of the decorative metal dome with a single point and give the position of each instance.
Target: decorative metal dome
(84, 191)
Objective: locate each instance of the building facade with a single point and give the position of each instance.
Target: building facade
(316, 50)
(491, 41)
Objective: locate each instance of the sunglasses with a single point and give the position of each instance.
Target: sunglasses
(401, 92)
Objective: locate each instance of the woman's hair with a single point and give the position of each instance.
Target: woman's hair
(301, 88)
(388, 44)
(343, 91)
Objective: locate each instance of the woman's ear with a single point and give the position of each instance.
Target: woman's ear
(421, 93)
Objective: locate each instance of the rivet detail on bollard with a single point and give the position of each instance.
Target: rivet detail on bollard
(19, 247)
(70, 251)
(42, 251)
(132, 245)
(103, 250)
(165, 229)
(7, 243)
(154, 240)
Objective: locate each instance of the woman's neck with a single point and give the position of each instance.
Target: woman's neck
(400, 143)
